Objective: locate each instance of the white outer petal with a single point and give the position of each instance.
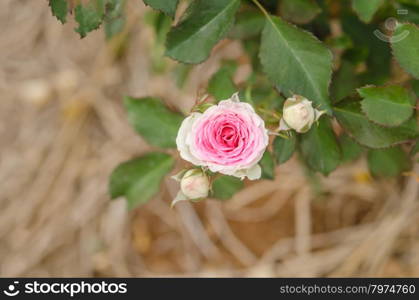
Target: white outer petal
(183, 139)
(254, 172)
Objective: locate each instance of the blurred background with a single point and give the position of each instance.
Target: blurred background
(63, 129)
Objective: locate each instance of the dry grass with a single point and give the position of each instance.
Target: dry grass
(62, 131)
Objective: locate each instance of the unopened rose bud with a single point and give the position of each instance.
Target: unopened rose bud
(194, 184)
(298, 114)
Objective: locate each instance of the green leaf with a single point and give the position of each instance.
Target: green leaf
(249, 24)
(114, 18)
(180, 74)
(369, 134)
(89, 16)
(415, 87)
(412, 6)
(161, 25)
(265, 98)
(284, 148)
(268, 166)
(341, 42)
(59, 9)
(388, 162)
(405, 43)
(251, 47)
(415, 148)
(320, 148)
(350, 149)
(387, 106)
(153, 121)
(224, 187)
(114, 26)
(168, 7)
(299, 11)
(369, 47)
(139, 179)
(296, 62)
(203, 25)
(366, 9)
(221, 84)
(345, 81)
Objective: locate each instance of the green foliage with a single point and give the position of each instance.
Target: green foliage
(59, 9)
(285, 60)
(296, 62)
(264, 97)
(284, 148)
(387, 106)
(89, 16)
(368, 50)
(251, 47)
(139, 179)
(224, 187)
(180, 74)
(249, 24)
(202, 26)
(366, 9)
(345, 81)
(161, 25)
(153, 121)
(221, 85)
(342, 42)
(415, 149)
(166, 6)
(371, 135)
(406, 50)
(350, 149)
(299, 11)
(114, 18)
(388, 162)
(415, 87)
(412, 6)
(320, 149)
(268, 166)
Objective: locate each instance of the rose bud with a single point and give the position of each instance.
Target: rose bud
(194, 184)
(299, 114)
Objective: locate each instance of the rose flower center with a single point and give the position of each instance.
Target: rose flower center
(229, 136)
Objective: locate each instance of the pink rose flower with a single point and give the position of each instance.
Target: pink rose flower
(229, 138)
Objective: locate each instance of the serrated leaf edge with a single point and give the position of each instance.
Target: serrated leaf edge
(364, 112)
(395, 57)
(173, 29)
(316, 40)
